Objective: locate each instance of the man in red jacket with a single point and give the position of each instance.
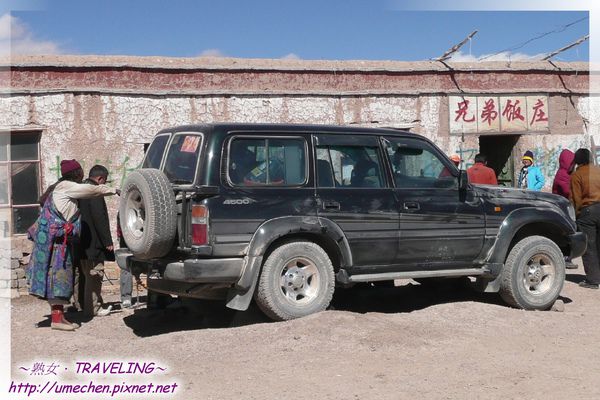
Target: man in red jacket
(480, 173)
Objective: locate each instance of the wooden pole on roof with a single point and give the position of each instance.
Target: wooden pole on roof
(455, 48)
(577, 42)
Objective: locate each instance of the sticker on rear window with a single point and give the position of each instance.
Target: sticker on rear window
(190, 144)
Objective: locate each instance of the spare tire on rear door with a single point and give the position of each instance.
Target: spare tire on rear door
(147, 213)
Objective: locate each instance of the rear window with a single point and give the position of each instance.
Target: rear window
(182, 158)
(267, 162)
(155, 152)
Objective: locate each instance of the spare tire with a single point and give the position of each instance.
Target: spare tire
(148, 213)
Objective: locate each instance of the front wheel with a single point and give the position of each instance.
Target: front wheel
(533, 275)
(296, 280)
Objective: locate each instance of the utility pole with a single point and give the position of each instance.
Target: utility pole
(455, 48)
(583, 39)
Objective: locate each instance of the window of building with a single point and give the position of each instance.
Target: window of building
(19, 181)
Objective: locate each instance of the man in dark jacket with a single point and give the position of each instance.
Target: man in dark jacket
(96, 244)
(585, 195)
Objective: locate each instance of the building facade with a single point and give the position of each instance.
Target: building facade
(107, 109)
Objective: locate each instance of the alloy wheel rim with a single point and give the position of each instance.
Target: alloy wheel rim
(135, 217)
(539, 274)
(300, 281)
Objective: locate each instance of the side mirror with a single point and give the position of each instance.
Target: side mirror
(463, 180)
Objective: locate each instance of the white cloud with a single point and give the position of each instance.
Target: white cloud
(17, 38)
(504, 56)
(211, 53)
(291, 56)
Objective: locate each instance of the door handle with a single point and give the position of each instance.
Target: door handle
(412, 205)
(331, 205)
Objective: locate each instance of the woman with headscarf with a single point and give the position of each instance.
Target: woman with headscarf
(50, 270)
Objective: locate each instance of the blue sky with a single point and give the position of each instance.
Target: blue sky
(308, 29)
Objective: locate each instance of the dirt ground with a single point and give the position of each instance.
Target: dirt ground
(404, 342)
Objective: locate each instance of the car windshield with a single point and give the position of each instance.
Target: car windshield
(182, 157)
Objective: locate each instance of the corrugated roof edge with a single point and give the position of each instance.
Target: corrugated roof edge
(222, 63)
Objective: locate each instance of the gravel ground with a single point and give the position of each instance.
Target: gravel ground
(404, 342)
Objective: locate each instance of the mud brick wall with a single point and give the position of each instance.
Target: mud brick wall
(103, 109)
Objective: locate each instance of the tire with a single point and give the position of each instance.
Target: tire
(533, 274)
(296, 280)
(148, 214)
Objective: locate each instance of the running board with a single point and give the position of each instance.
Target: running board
(343, 277)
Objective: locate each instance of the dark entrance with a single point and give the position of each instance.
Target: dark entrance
(499, 152)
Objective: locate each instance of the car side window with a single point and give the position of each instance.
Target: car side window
(155, 152)
(349, 167)
(267, 161)
(416, 165)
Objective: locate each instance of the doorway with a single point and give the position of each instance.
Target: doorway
(499, 152)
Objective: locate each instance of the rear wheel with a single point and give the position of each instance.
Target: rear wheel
(296, 280)
(533, 275)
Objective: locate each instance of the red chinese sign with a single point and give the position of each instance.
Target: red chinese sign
(489, 113)
(473, 114)
(538, 112)
(463, 111)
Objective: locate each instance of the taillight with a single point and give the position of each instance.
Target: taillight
(199, 225)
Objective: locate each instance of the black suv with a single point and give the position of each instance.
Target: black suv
(285, 213)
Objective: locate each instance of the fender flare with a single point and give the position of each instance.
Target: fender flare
(277, 228)
(240, 295)
(519, 218)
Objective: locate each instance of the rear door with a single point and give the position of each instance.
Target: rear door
(265, 176)
(439, 228)
(353, 192)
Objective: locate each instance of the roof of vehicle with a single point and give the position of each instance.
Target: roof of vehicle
(311, 128)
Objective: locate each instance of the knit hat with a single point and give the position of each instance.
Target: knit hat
(528, 156)
(67, 166)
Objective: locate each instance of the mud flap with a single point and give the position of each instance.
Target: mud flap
(488, 285)
(239, 298)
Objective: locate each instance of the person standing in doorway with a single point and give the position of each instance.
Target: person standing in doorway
(50, 270)
(96, 244)
(530, 177)
(480, 173)
(585, 195)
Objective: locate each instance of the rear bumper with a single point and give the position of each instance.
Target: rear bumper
(191, 277)
(208, 270)
(578, 244)
(214, 270)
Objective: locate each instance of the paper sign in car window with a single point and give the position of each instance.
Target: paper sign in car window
(190, 144)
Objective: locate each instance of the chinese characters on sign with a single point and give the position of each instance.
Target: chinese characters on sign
(480, 114)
